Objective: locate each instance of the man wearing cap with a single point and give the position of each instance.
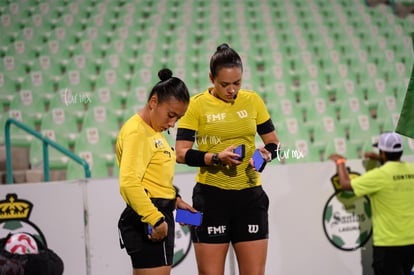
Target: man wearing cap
(390, 188)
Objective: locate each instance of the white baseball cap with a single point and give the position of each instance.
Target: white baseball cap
(390, 142)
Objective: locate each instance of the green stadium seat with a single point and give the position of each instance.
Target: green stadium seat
(104, 119)
(113, 80)
(59, 118)
(72, 99)
(8, 91)
(388, 122)
(96, 140)
(57, 160)
(13, 67)
(113, 100)
(138, 95)
(118, 63)
(30, 104)
(82, 63)
(47, 65)
(97, 148)
(42, 85)
(22, 50)
(356, 148)
(19, 137)
(87, 46)
(99, 167)
(56, 49)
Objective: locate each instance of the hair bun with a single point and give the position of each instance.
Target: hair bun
(165, 74)
(223, 47)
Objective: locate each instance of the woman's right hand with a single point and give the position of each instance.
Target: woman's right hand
(228, 157)
(160, 232)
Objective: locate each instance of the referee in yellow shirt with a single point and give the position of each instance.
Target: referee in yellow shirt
(146, 169)
(228, 190)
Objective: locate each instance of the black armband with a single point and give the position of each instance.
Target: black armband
(185, 134)
(273, 148)
(195, 158)
(266, 127)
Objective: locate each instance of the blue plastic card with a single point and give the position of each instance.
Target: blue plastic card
(259, 161)
(148, 229)
(240, 151)
(188, 217)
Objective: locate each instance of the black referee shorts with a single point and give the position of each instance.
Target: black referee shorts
(230, 215)
(145, 253)
(393, 260)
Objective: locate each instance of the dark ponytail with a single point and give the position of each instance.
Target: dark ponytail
(224, 57)
(169, 86)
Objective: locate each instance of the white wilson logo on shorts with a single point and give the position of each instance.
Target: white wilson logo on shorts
(253, 228)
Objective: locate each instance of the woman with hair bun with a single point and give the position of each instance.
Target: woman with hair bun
(146, 168)
(228, 189)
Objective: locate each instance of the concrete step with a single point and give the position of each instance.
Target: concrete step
(36, 175)
(20, 158)
(20, 163)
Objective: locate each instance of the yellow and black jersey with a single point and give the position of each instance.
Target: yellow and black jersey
(146, 167)
(219, 124)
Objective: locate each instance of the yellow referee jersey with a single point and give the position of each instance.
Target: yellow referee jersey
(146, 167)
(219, 124)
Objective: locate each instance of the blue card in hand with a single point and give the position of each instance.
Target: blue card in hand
(188, 217)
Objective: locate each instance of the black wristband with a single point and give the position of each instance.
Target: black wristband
(273, 148)
(159, 222)
(195, 158)
(215, 159)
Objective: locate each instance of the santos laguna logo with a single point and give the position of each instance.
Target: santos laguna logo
(347, 218)
(14, 218)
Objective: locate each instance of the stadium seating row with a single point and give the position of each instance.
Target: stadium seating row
(332, 73)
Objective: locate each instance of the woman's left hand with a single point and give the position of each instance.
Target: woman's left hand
(267, 156)
(183, 205)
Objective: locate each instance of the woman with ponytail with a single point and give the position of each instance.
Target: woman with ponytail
(228, 188)
(146, 168)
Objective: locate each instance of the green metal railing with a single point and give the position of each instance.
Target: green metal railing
(46, 142)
